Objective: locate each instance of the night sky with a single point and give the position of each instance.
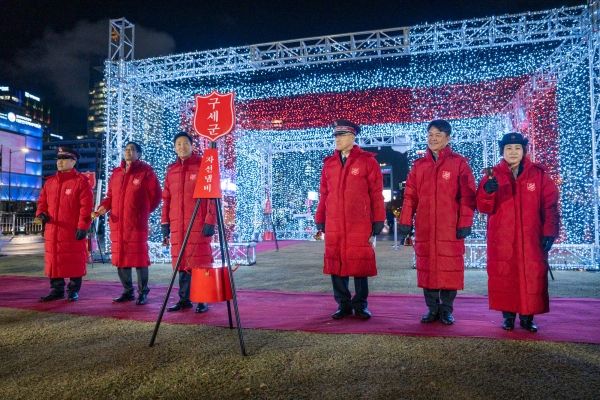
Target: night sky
(46, 47)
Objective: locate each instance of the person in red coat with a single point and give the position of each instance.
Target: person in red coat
(522, 206)
(133, 194)
(65, 206)
(177, 210)
(440, 189)
(351, 212)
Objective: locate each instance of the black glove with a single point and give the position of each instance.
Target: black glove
(377, 228)
(43, 217)
(80, 234)
(165, 230)
(405, 229)
(490, 186)
(547, 242)
(208, 230)
(320, 227)
(462, 233)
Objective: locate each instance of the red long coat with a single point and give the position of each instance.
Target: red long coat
(442, 194)
(178, 207)
(521, 212)
(351, 200)
(131, 197)
(67, 199)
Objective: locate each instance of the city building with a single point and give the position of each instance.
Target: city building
(23, 124)
(96, 123)
(89, 149)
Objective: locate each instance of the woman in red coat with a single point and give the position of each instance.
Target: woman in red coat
(177, 210)
(522, 206)
(350, 211)
(133, 193)
(65, 205)
(440, 190)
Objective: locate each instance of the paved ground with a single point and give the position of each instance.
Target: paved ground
(21, 245)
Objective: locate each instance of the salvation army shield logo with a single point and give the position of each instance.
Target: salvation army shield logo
(446, 175)
(214, 115)
(68, 192)
(91, 176)
(531, 187)
(136, 181)
(355, 171)
(192, 177)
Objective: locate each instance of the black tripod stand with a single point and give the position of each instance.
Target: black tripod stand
(224, 258)
(94, 236)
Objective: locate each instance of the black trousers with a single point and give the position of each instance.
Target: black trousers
(512, 315)
(185, 281)
(342, 295)
(142, 280)
(58, 285)
(433, 297)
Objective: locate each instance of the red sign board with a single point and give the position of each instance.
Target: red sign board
(208, 181)
(91, 176)
(214, 115)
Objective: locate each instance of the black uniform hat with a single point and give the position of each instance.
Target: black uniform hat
(66, 153)
(513, 138)
(342, 126)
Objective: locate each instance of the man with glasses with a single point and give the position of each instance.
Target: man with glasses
(133, 194)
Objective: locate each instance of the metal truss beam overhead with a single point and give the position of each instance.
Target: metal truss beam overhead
(552, 25)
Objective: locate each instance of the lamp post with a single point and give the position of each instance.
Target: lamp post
(24, 150)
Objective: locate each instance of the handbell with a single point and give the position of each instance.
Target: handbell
(489, 171)
(408, 241)
(166, 242)
(318, 235)
(94, 215)
(37, 221)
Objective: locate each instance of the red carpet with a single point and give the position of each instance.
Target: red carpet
(570, 320)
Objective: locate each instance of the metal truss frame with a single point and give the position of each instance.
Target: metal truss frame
(121, 39)
(506, 30)
(594, 68)
(571, 27)
(567, 56)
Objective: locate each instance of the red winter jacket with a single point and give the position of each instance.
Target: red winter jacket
(351, 200)
(131, 197)
(178, 207)
(67, 199)
(521, 212)
(442, 194)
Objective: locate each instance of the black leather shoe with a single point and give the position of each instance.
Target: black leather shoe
(53, 296)
(447, 318)
(124, 297)
(363, 314)
(341, 313)
(430, 317)
(142, 299)
(73, 297)
(202, 307)
(529, 325)
(508, 324)
(179, 306)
